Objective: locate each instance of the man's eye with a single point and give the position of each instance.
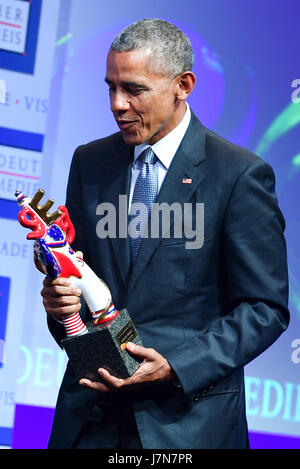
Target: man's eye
(135, 91)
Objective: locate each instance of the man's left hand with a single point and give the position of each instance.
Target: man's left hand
(153, 369)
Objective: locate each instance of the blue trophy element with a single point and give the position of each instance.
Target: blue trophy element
(46, 259)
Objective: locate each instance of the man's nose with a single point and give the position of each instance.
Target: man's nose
(119, 102)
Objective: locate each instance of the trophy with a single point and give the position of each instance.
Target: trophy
(101, 342)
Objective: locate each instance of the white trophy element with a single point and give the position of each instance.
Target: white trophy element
(54, 257)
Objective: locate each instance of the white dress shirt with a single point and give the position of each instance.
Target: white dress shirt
(164, 149)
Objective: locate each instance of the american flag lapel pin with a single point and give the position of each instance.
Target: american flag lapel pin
(186, 180)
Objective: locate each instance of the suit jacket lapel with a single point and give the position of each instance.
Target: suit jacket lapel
(119, 186)
(185, 164)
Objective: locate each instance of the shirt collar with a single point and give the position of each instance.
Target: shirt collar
(166, 148)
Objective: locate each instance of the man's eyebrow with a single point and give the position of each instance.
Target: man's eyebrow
(108, 81)
(131, 84)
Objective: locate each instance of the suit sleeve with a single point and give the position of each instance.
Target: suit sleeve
(74, 206)
(255, 284)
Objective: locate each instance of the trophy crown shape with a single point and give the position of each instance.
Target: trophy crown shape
(41, 210)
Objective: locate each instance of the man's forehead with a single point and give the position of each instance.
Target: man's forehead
(138, 60)
(131, 84)
(141, 52)
(130, 67)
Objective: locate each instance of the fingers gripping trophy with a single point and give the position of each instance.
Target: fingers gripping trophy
(102, 341)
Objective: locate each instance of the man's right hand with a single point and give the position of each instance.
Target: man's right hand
(60, 298)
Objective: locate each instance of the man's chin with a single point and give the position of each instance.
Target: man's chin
(132, 138)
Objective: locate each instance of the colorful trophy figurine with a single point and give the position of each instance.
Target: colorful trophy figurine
(102, 341)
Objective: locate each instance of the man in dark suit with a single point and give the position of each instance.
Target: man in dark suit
(203, 312)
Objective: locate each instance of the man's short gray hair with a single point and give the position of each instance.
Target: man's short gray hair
(170, 48)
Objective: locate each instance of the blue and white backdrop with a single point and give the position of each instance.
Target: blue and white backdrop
(52, 67)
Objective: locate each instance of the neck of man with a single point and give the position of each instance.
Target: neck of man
(171, 124)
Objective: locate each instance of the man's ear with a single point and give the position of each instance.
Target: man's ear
(185, 83)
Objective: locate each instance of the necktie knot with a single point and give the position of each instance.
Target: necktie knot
(147, 156)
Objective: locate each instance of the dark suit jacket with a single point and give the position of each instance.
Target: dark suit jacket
(209, 311)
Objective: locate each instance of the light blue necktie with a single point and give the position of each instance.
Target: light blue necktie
(145, 192)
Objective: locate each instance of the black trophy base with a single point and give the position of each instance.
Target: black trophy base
(101, 348)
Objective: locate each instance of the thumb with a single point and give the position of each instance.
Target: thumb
(140, 351)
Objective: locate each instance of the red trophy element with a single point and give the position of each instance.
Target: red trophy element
(53, 234)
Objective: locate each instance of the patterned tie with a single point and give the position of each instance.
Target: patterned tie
(145, 192)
